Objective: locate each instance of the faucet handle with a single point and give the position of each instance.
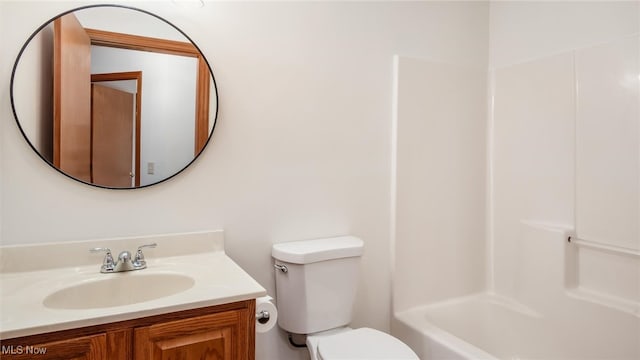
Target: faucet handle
(108, 263)
(139, 258)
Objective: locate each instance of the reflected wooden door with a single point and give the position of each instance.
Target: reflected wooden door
(72, 98)
(112, 116)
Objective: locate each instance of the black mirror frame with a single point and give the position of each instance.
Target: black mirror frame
(24, 135)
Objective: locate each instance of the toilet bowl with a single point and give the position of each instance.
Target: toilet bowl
(359, 344)
(315, 289)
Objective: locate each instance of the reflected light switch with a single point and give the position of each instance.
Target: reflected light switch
(150, 168)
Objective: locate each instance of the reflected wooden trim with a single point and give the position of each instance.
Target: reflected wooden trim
(202, 106)
(143, 43)
(129, 75)
(203, 80)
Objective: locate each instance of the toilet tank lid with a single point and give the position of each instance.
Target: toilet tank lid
(310, 251)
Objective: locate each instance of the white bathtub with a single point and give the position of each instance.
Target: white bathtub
(553, 311)
(486, 326)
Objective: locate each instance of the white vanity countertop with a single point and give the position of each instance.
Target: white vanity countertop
(217, 280)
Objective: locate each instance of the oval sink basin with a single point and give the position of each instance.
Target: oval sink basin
(119, 290)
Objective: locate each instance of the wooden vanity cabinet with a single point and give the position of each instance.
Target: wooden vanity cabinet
(223, 332)
(219, 336)
(81, 348)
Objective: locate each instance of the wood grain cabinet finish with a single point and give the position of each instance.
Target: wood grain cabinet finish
(210, 337)
(223, 332)
(83, 348)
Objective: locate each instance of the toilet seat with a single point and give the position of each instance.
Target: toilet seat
(363, 343)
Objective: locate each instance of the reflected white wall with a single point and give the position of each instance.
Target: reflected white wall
(167, 133)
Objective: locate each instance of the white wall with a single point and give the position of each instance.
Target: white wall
(301, 150)
(36, 68)
(5, 66)
(533, 158)
(526, 30)
(560, 82)
(128, 22)
(608, 143)
(439, 181)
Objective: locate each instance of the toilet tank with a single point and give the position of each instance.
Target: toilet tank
(318, 289)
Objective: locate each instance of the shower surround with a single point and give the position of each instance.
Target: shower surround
(516, 191)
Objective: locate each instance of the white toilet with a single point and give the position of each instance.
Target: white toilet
(316, 285)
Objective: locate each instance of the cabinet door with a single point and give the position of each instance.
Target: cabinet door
(219, 336)
(92, 347)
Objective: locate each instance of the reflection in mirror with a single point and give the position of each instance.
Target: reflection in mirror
(114, 97)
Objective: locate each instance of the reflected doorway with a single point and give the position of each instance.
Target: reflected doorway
(115, 128)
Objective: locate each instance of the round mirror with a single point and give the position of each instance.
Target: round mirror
(113, 96)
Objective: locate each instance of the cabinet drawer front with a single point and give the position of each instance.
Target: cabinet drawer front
(216, 337)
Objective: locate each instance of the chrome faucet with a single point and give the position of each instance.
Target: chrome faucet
(124, 262)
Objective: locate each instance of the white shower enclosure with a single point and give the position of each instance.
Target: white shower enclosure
(516, 222)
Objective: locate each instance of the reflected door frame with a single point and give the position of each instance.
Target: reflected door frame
(129, 75)
(143, 43)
